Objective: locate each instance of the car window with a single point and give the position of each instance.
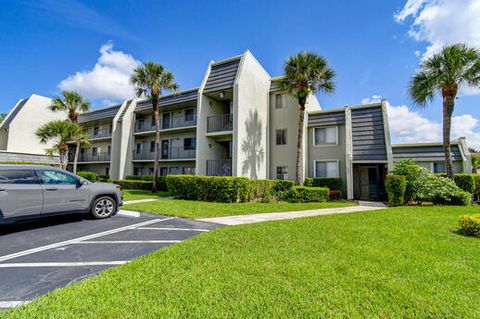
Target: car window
(56, 177)
(17, 176)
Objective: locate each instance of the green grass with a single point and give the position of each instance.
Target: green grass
(133, 194)
(397, 263)
(198, 209)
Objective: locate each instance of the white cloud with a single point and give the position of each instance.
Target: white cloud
(442, 22)
(407, 126)
(109, 79)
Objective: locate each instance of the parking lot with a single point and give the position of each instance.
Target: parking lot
(37, 257)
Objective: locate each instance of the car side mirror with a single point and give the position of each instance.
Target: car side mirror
(80, 182)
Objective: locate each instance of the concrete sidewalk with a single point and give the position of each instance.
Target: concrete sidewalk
(258, 218)
(145, 200)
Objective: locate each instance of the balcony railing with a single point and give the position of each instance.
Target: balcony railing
(98, 133)
(222, 167)
(165, 124)
(219, 123)
(166, 154)
(99, 157)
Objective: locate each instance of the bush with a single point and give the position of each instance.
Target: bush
(161, 181)
(413, 173)
(441, 190)
(465, 181)
(469, 225)
(331, 183)
(209, 188)
(280, 186)
(304, 194)
(395, 185)
(91, 176)
(130, 184)
(477, 186)
(335, 194)
(268, 190)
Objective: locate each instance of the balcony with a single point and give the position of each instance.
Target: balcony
(171, 153)
(219, 123)
(99, 157)
(99, 132)
(222, 167)
(166, 124)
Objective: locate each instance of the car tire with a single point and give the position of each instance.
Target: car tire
(103, 207)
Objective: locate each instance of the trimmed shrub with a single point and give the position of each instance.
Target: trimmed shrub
(161, 181)
(280, 186)
(395, 185)
(469, 225)
(304, 194)
(477, 186)
(331, 183)
(335, 194)
(183, 186)
(262, 190)
(91, 176)
(441, 191)
(130, 184)
(465, 181)
(413, 173)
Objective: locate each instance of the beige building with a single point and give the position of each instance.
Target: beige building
(238, 122)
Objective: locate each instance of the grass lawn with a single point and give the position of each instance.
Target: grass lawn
(132, 194)
(198, 209)
(396, 263)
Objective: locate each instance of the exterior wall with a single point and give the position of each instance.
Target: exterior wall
(173, 167)
(250, 118)
(21, 133)
(6, 156)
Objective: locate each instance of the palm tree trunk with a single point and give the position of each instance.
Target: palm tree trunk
(448, 93)
(156, 114)
(63, 154)
(75, 157)
(299, 159)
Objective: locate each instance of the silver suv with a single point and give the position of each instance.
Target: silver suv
(28, 191)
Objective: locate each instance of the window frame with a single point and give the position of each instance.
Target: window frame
(185, 116)
(285, 137)
(36, 178)
(279, 96)
(326, 144)
(286, 171)
(326, 161)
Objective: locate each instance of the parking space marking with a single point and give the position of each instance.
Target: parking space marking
(171, 228)
(128, 242)
(63, 264)
(12, 304)
(79, 239)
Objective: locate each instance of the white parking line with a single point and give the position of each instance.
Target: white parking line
(12, 304)
(129, 242)
(76, 240)
(170, 228)
(63, 264)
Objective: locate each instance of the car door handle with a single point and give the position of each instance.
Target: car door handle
(51, 188)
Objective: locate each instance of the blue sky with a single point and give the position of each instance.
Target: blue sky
(374, 46)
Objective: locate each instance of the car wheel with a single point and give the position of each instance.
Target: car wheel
(103, 207)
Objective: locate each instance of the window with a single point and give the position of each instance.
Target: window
(95, 130)
(281, 137)
(278, 101)
(439, 167)
(140, 124)
(150, 171)
(282, 172)
(152, 146)
(189, 143)
(163, 171)
(107, 170)
(188, 170)
(139, 148)
(26, 176)
(137, 171)
(110, 128)
(326, 169)
(152, 122)
(57, 177)
(109, 150)
(94, 151)
(325, 136)
(189, 115)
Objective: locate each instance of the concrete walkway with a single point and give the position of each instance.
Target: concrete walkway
(146, 200)
(258, 218)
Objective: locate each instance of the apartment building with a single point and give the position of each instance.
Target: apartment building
(238, 122)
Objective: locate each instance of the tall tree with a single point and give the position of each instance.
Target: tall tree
(72, 103)
(445, 72)
(151, 80)
(306, 73)
(60, 133)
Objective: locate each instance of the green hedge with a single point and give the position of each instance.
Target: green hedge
(465, 181)
(304, 194)
(94, 177)
(268, 190)
(331, 183)
(161, 181)
(395, 185)
(130, 184)
(469, 225)
(209, 188)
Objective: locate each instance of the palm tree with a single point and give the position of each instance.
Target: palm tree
(60, 132)
(306, 73)
(445, 72)
(3, 115)
(475, 163)
(150, 80)
(72, 103)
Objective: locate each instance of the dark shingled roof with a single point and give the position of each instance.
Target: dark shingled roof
(9, 119)
(100, 114)
(180, 97)
(222, 75)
